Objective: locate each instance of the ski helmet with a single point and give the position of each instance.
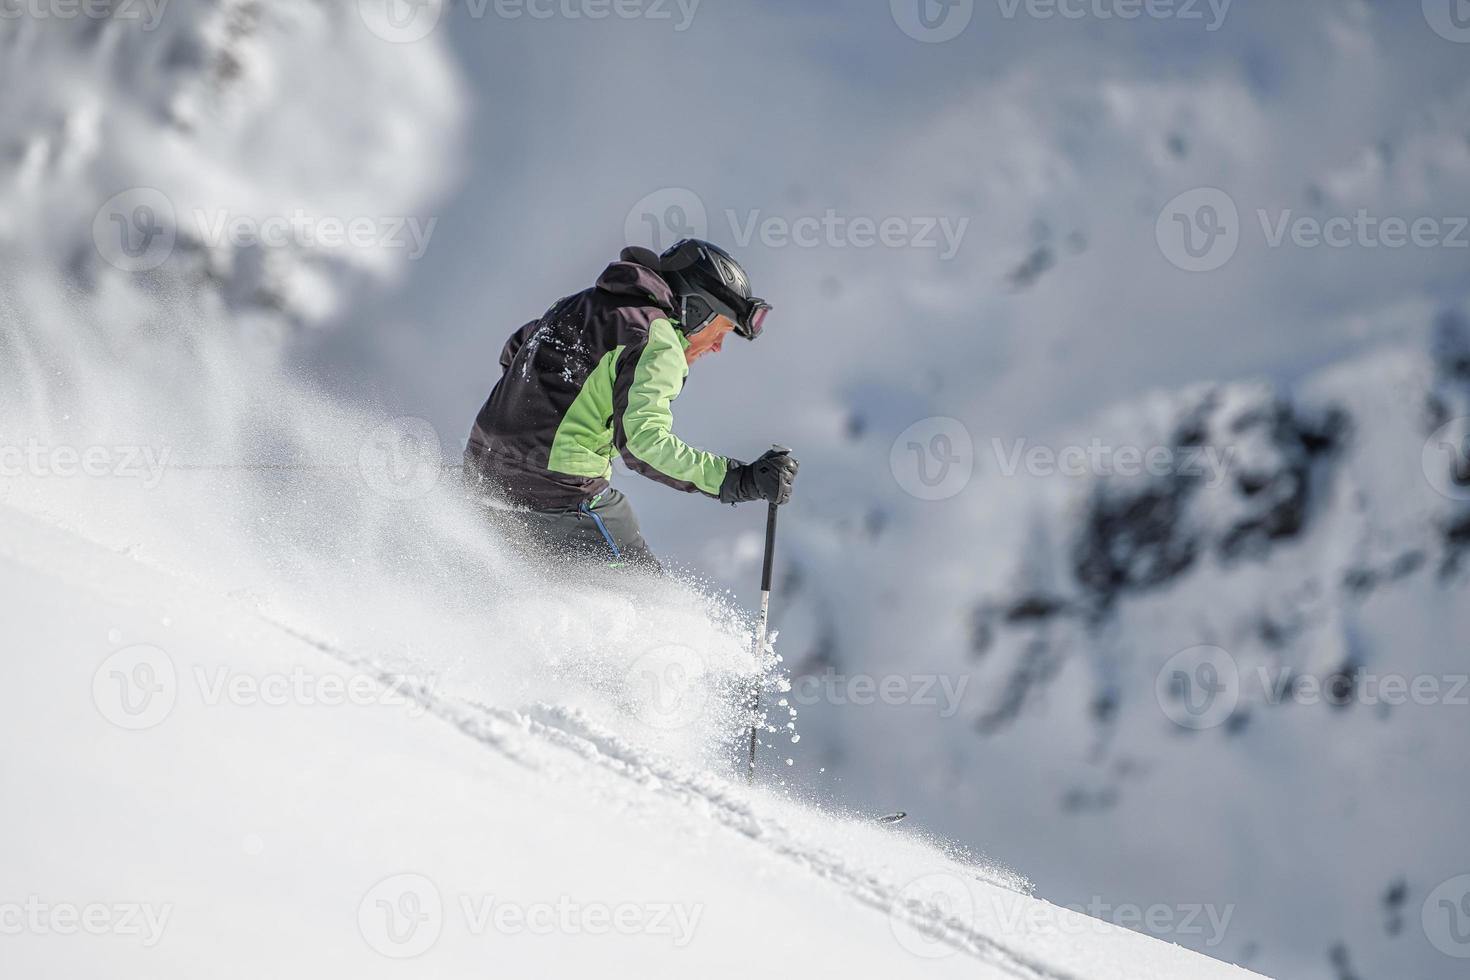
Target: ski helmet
(706, 281)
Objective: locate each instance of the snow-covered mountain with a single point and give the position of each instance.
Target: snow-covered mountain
(1230, 635)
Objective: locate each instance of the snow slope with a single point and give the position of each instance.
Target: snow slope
(292, 835)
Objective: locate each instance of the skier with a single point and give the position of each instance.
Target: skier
(596, 375)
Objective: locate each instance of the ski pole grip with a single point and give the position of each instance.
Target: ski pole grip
(771, 534)
(770, 547)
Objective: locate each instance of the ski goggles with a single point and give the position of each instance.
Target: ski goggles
(700, 310)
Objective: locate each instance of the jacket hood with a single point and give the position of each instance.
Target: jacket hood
(635, 274)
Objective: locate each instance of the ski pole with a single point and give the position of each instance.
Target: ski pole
(760, 637)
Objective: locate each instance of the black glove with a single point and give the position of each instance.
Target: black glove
(768, 478)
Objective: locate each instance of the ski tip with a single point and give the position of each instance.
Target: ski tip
(892, 817)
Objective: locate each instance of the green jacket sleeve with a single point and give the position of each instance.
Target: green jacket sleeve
(650, 376)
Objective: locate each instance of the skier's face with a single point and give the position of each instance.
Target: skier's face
(709, 340)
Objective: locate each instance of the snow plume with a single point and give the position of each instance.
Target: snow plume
(169, 225)
(276, 151)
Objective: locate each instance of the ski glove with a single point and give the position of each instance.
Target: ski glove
(768, 478)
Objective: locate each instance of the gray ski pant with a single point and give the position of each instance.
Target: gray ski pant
(602, 530)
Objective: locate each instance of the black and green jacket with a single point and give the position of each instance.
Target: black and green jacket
(595, 375)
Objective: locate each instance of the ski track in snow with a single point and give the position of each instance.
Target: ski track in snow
(554, 741)
(511, 732)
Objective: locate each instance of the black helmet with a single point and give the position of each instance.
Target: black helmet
(707, 281)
